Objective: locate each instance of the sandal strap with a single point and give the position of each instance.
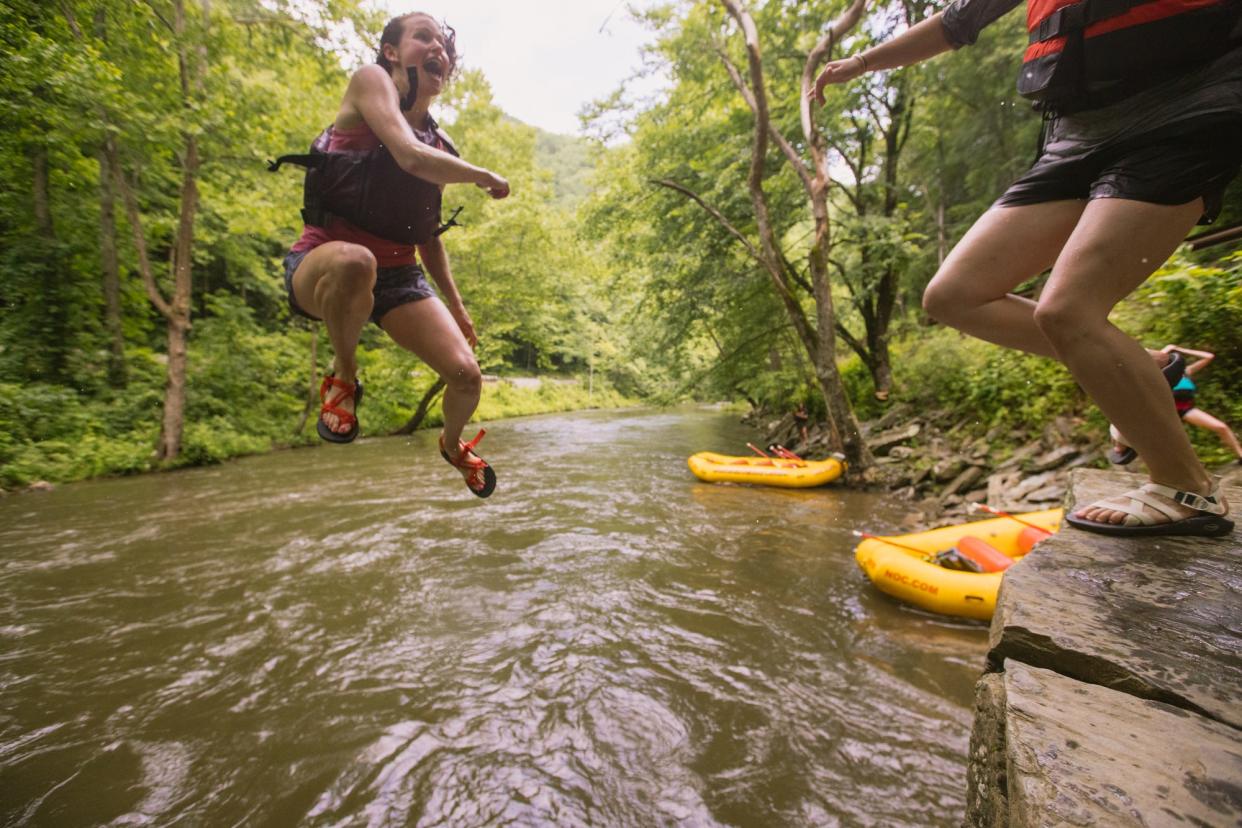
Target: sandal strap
(345, 391)
(1140, 499)
(476, 466)
(464, 460)
(463, 453)
(346, 417)
(1209, 503)
(1137, 506)
(470, 446)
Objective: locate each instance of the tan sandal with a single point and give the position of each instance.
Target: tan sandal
(1140, 504)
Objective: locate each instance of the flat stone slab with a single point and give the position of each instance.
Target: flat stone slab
(1050, 750)
(1157, 618)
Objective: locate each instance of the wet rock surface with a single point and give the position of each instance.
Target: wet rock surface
(1158, 617)
(1131, 650)
(1071, 753)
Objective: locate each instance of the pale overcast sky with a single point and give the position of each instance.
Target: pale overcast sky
(544, 58)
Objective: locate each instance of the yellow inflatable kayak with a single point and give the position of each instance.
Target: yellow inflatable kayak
(902, 565)
(766, 471)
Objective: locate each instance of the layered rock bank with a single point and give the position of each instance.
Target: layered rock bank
(1113, 694)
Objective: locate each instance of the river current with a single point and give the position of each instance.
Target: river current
(345, 636)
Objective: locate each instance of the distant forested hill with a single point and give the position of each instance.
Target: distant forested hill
(571, 160)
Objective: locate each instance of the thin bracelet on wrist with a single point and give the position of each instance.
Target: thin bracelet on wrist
(862, 61)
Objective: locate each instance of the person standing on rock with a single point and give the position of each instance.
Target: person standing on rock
(1143, 131)
(372, 213)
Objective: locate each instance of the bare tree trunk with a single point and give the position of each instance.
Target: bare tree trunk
(176, 311)
(179, 320)
(820, 339)
(423, 405)
(117, 373)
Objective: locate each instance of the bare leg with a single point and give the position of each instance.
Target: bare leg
(334, 282)
(1004, 248)
(1114, 248)
(1202, 419)
(428, 330)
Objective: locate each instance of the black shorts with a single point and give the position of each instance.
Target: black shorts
(1171, 165)
(394, 286)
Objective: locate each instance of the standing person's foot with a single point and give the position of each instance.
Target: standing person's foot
(1153, 509)
(478, 475)
(337, 420)
(1120, 454)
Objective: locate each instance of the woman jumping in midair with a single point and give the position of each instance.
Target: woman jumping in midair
(346, 275)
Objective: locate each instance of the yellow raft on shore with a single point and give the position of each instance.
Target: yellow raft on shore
(765, 471)
(901, 565)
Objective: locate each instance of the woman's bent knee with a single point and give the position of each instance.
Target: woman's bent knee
(1064, 322)
(465, 375)
(942, 302)
(354, 257)
(353, 268)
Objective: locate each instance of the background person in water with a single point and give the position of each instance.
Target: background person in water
(346, 276)
(1114, 191)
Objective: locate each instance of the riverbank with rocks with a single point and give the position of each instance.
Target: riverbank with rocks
(940, 466)
(934, 462)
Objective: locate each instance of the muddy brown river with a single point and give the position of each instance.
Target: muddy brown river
(344, 636)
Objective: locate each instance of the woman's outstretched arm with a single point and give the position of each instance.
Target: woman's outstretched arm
(373, 98)
(918, 43)
(1202, 358)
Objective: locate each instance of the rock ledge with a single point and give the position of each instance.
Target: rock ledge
(1114, 690)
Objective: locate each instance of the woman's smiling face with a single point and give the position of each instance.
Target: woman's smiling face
(423, 47)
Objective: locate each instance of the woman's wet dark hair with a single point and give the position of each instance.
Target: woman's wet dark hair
(395, 28)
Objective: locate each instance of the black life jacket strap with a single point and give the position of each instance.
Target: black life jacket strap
(452, 222)
(1079, 16)
(309, 160)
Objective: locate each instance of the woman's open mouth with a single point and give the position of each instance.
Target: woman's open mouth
(434, 68)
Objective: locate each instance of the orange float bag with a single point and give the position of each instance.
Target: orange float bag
(989, 558)
(1030, 536)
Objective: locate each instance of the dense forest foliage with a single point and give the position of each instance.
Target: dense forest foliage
(141, 235)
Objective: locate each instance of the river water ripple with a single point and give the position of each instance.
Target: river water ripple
(343, 636)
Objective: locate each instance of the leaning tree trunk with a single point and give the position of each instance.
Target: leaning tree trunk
(424, 405)
(818, 339)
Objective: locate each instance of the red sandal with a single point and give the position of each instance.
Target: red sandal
(345, 391)
(481, 480)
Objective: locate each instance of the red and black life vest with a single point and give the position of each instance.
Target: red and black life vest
(1091, 53)
(369, 190)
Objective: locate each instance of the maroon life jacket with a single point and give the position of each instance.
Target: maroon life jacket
(369, 190)
(1091, 53)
